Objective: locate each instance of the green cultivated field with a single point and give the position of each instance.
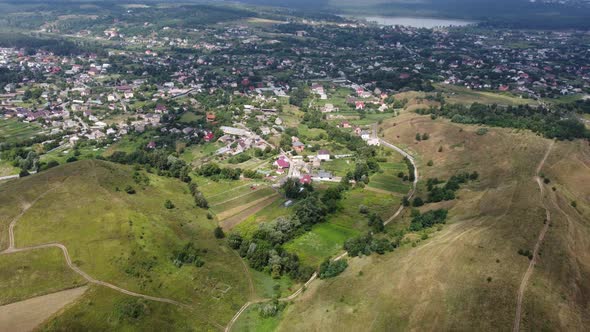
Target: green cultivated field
(326, 239)
(268, 213)
(13, 130)
(389, 182)
(129, 241)
(233, 200)
(7, 169)
(28, 274)
(338, 167)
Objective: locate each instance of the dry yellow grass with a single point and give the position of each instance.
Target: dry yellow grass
(442, 284)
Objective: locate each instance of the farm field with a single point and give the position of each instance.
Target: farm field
(387, 179)
(29, 314)
(469, 272)
(325, 240)
(13, 130)
(237, 201)
(268, 213)
(389, 182)
(338, 167)
(195, 152)
(190, 117)
(7, 169)
(126, 240)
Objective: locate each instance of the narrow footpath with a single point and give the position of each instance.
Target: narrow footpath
(533, 262)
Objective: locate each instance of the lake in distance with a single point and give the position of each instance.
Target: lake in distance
(416, 22)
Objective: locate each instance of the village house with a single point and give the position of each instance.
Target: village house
(298, 146)
(323, 155)
(305, 179)
(282, 163)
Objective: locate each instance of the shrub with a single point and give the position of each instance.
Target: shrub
(330, 269)
(430, 163)
(129, 189)
(168, 204)
(481, 131)
(234, 240)
(363, 209)
(131, 309)
(271, 308)
(417, 202)
(218, 232)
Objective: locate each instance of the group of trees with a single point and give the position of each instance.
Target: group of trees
(427, 219)
(411, 170)
(164, 163)
(264, 253)
(447, 192)
(557, 123)
(188, 254)
(213, 171)
(330, 269)
(198, 196)
(294, 189)
(367, 244)
(363, 169)
(264, 250)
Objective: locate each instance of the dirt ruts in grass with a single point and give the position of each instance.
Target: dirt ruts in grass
(533, 262)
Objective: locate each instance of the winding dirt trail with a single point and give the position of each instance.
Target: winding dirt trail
(533, 262)
(12, 249)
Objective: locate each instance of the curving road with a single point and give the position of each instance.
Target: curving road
(533, 262)
(414, 184)
(315, 275)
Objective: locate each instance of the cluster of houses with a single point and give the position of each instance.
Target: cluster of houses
(238, 140)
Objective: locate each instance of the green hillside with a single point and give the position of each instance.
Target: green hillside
(128, 240)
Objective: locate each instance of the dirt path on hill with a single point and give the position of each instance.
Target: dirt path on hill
(533, 262)
(12, 249)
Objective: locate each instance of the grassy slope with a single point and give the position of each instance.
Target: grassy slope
(442, 284)
(28, 274)
(128, 240)
(460, 95)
